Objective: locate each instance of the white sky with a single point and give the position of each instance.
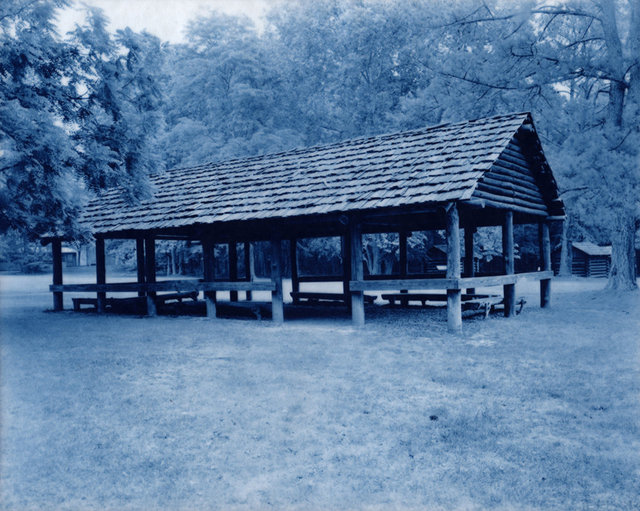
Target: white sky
(164, 18)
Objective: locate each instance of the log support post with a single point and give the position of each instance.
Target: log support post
(293, 256)
(509, 264)
(454, 296)
(140, 263)
(150, 272)
(345, 253)
(545, 256)
(469, 266)
(357, 272)
(233, 268)
(208, 274)
(277, 304)
(248, 267)
(402, 255)
(101, 273)
(56, 248)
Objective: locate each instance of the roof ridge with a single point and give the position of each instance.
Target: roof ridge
(360, 139)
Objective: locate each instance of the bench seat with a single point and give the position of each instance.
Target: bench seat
(162, 299)
(404, 298)
(312, 297)
(470, 302)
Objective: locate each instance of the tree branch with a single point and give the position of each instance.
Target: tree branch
(554, 11)
(583, 41)
(19, 11)
(577, 189)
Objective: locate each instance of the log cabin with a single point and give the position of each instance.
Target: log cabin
(590, 260)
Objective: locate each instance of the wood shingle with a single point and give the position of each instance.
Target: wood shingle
(480, 159)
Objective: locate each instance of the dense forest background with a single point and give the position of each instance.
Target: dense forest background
(90, 109)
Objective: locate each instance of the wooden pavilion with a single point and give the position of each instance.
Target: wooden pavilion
(484, 172)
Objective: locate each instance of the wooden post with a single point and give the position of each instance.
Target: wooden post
(140, 262)
(277, 305)
(293, 255)
(357, 272)
(402, 248)
(248, 267)
(150, 272)
(233, 268)
(545, 256)
(454, 296)
(208, 275)
(345, 249)
(101, 273)
(56, 248)
(509, 264)
(469, 267)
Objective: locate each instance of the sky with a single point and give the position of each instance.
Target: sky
(166, 19)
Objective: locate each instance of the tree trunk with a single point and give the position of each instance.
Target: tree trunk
(173, 259)
(623, 268)
(565, 261)
(372, 256)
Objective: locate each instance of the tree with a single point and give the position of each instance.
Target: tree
(224, 98)
(578, 64)
(76, 116)
(39, 188)
(119, 107)
(347, 64)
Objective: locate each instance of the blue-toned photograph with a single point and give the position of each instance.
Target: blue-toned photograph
(318, 255)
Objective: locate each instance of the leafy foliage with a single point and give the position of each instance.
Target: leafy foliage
(76, 116)
(97, 110)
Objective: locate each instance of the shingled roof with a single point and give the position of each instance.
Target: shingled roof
(592, 249)
(429, 165)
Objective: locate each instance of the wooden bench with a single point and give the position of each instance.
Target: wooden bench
(79, 302)
(470, 302)
(405, 298)
(311, 297)
(258, 310)
(111, 302)
(520, 303)
(163, 299)
(482, 305)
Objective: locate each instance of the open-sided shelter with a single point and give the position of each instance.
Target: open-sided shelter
(484, 172)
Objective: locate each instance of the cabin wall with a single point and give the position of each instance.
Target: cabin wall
(579, 263)
(69, 259)
(511, 181)
(585, 265)
(598, 266)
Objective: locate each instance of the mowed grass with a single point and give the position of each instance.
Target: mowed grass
(111, 412)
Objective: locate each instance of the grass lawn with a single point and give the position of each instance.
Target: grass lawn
(541, 411)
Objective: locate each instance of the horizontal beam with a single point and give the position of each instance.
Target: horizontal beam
(481, 202)
(498, 280)
(320, 278)
(393, 284)
(167, 285)
(453, 283)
